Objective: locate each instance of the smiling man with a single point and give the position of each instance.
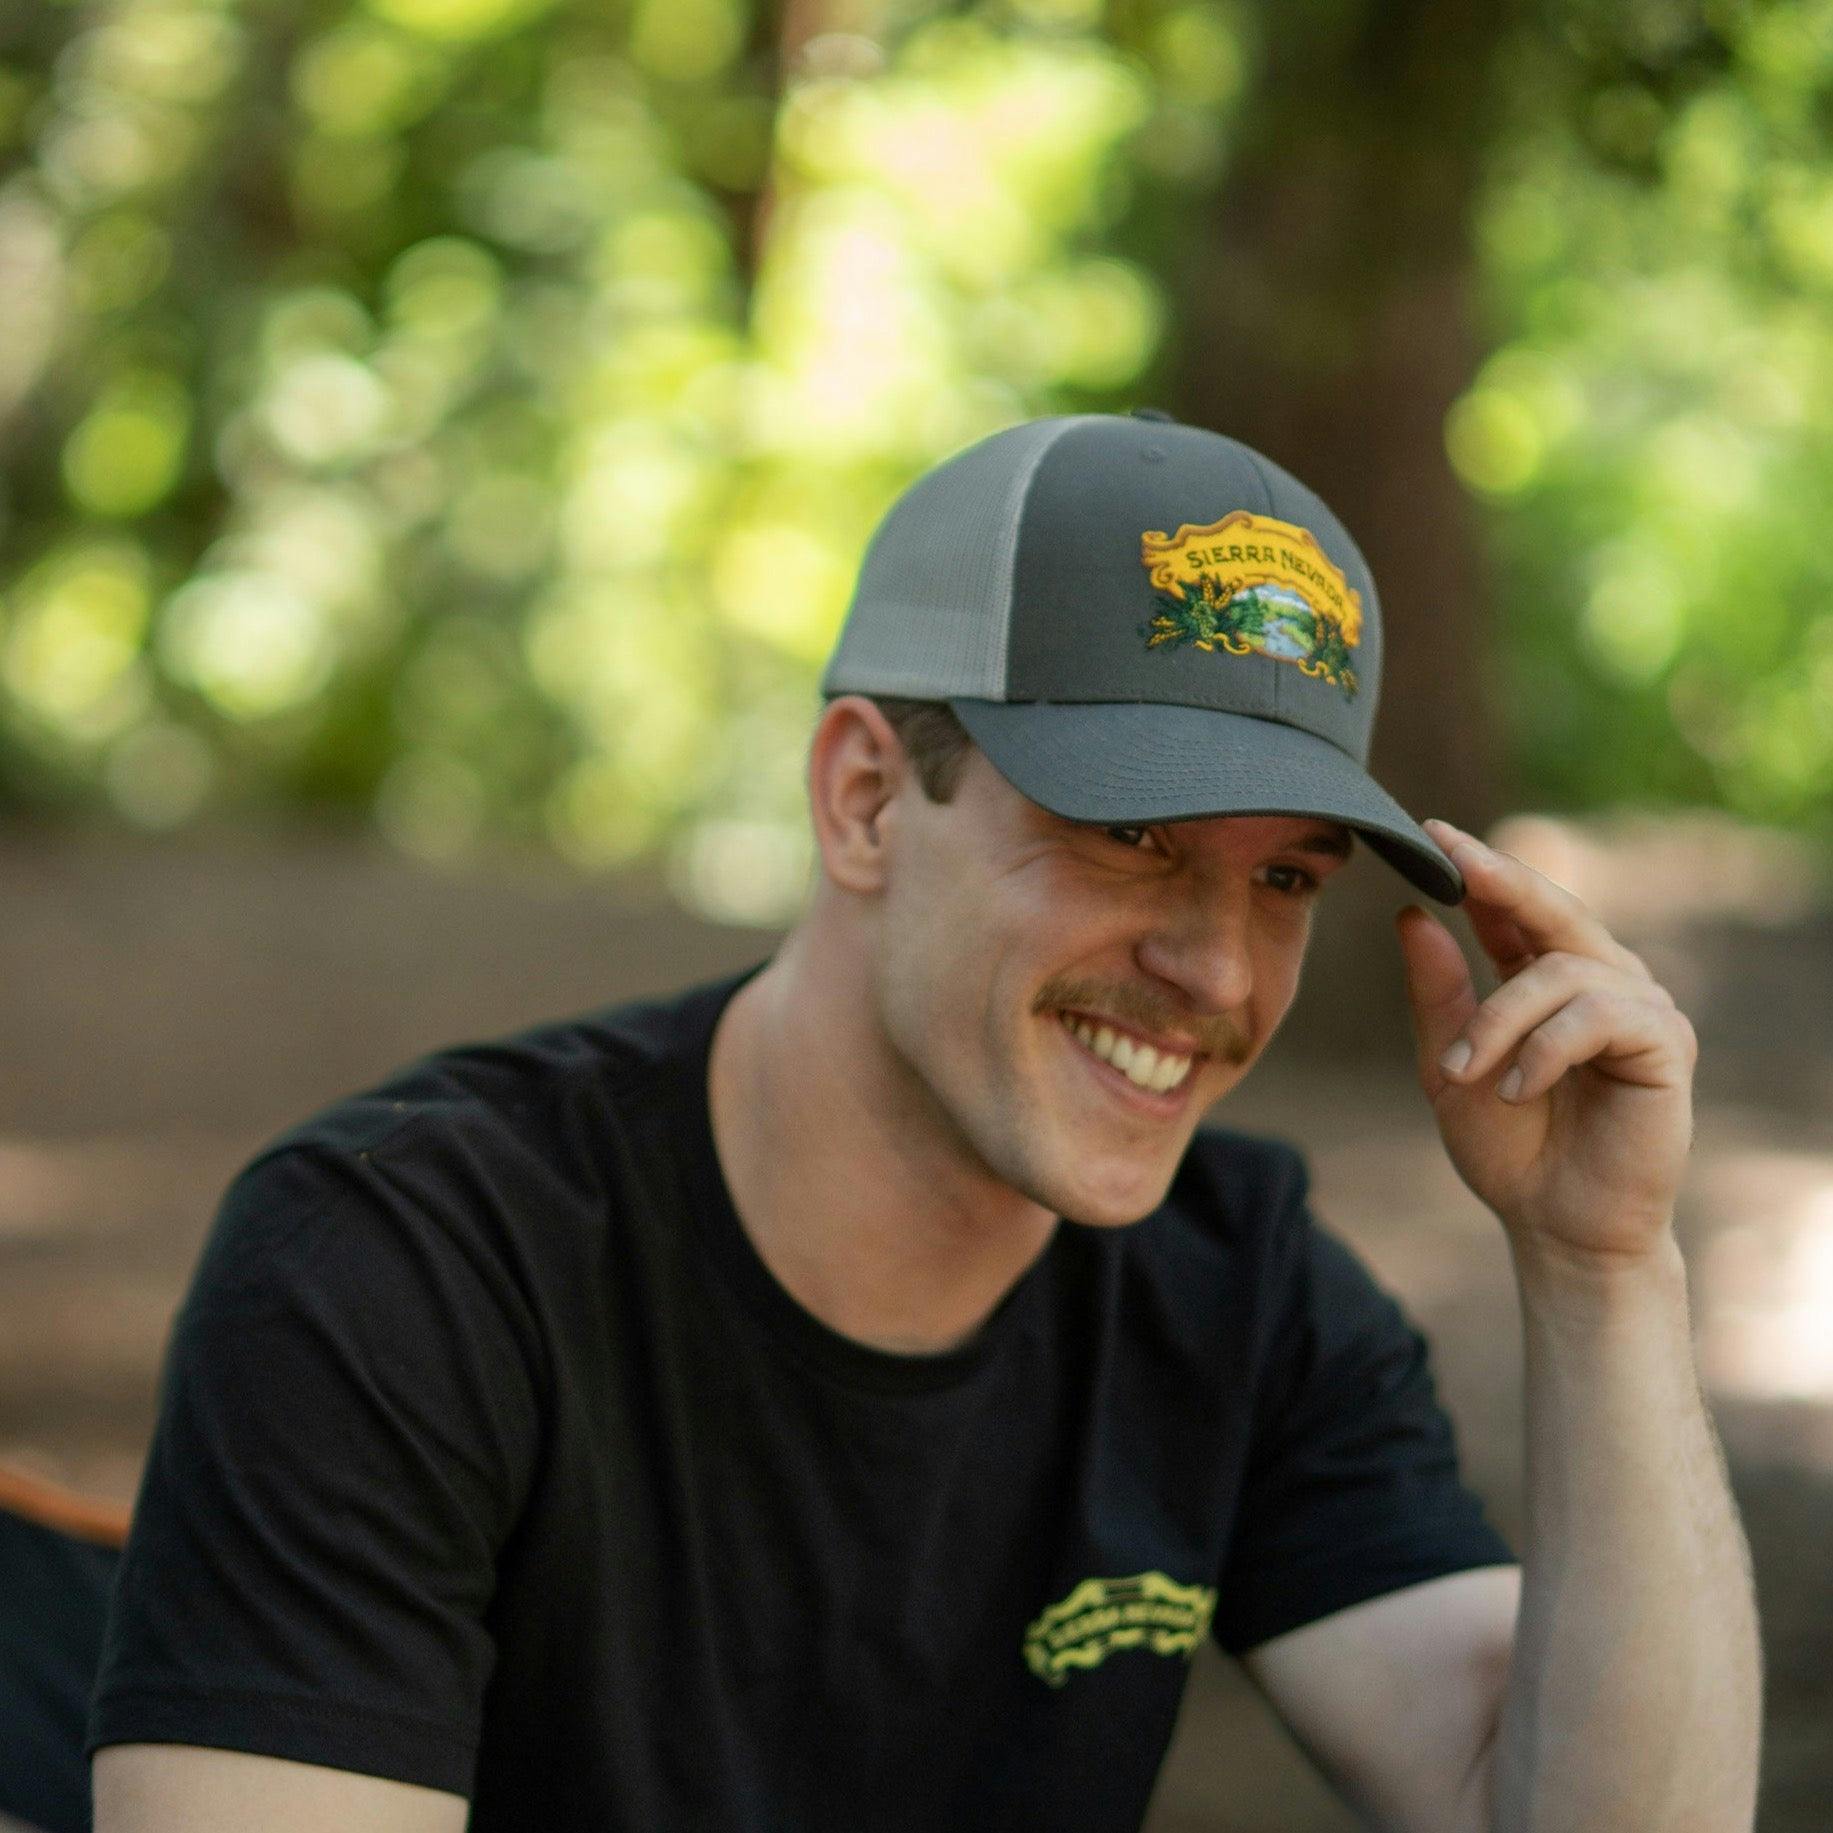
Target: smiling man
(843, 1395)
(1011, 1017)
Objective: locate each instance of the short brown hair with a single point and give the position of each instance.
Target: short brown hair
(937, 742)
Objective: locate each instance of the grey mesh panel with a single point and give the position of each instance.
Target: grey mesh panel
(929, 612)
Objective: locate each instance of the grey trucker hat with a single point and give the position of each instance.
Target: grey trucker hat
(1137, 621)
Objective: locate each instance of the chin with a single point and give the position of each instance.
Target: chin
(1118, 1203)
(1093, 1219)
(1097, 1218)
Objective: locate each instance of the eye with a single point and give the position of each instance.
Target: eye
(1306, 883)
(1122, 835)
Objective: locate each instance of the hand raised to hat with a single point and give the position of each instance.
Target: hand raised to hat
(1585, 1155)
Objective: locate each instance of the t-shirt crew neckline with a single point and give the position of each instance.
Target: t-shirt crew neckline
(737, 1262)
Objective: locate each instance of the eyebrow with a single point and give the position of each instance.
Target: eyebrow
(1337, 846)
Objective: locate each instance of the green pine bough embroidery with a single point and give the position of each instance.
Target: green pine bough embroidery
(1211, 617)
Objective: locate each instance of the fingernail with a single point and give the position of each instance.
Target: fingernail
(1456, 1059)
(1510, 1085)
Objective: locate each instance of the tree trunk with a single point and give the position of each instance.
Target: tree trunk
(1327, 323)
(1326, 320)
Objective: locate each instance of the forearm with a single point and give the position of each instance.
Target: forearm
(1634, 1694)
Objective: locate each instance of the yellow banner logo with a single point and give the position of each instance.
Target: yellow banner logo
(1147, 1611)
(1250, 583)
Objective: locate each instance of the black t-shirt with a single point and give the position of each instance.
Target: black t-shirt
(492, 1457)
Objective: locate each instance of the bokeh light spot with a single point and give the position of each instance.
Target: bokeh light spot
(252, 644)
(125, 454)
(459, 21)
(78, 619)
(1493, 441)
(686, 41)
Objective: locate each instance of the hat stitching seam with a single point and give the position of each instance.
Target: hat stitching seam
(1007, 569)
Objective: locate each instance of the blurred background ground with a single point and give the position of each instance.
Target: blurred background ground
(168, 1006)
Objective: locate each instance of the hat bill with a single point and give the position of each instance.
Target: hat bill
(1130, 763)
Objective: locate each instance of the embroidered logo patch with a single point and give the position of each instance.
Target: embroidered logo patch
(1253, 582)
(1148, 1611)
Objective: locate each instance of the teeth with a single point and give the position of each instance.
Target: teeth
(1139, 1063)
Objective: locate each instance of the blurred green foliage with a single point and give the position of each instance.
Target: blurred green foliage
(471, 412)
(1654, 428)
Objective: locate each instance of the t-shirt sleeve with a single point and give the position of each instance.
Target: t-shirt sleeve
(1352, 1486)
(346, 1427)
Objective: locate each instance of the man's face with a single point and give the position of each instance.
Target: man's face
(1001, 921)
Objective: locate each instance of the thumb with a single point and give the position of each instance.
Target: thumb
(1440, 992)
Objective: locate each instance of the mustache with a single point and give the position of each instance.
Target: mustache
(1220, 1037)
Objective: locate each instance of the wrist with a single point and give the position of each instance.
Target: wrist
(1543, 1263)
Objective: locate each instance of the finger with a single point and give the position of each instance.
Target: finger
(1640, 1040)
(1440, 994)
(1501, 938)
(1546, 914)
(1503, 1019)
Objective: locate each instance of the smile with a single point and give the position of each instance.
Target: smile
(1156, 1071)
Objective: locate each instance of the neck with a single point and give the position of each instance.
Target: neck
(857, 1193)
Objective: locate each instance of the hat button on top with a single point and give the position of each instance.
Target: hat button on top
(1151, 413)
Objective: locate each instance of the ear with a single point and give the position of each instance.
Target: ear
(856, 766)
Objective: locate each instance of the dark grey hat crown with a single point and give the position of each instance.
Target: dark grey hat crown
(1131, 563)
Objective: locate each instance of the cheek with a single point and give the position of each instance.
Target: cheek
(1278, 962)
(934, 988)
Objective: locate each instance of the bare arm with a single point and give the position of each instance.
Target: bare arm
(1564, 1098)
(1634, 1697)
(184, 1788)
(1394, 1699)
(1632, 1693)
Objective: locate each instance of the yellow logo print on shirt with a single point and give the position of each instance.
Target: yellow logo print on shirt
(1253, 582)
(1148, 1610)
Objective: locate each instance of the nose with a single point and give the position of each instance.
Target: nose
(1200, 947)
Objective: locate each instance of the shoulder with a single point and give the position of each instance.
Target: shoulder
(511, 1086)
(546, 1094)
(499, 1149)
